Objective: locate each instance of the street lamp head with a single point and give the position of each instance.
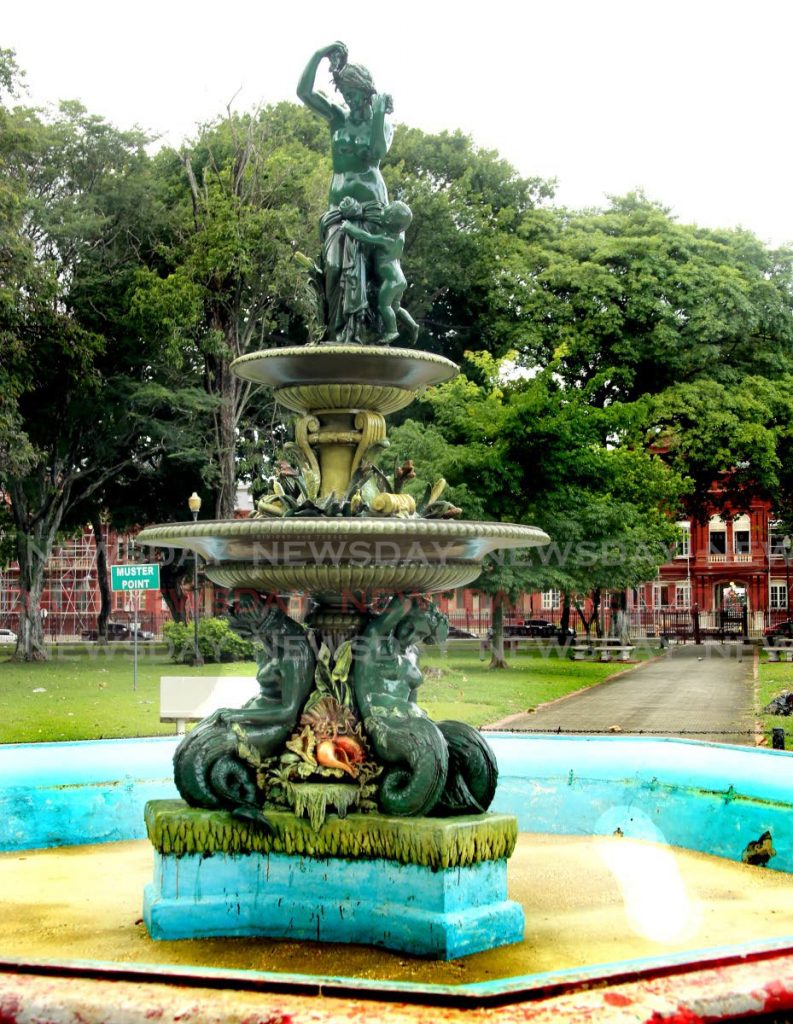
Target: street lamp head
(194, 503)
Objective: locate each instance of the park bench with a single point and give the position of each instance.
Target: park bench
(514, 643)
(581, 651)
(781, 645)
(604, 648)
(622, 651)
(190, 698)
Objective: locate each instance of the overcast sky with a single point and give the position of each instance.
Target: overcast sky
(688, 99)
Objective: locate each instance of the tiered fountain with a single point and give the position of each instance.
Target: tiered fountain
(331, 807)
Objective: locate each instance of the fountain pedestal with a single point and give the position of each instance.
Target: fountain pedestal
(427, 886)
(336, 724)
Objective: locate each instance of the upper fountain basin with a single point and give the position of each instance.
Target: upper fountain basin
(313, 378)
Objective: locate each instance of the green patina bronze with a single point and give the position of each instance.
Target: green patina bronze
(176, 829)
(358, 278)
(325, 725)
(336, 729)
(443, 768)
(208, 768)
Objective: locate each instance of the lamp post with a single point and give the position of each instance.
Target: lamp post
(194, 504)
(787, 543)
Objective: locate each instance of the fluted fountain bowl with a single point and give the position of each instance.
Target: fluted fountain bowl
(316, 378)
(332, 556)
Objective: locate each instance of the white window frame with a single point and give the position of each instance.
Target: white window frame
(658, 589)
(551, 599)
(683, 549)
(742, 524)
(683, 595)
(777, 595)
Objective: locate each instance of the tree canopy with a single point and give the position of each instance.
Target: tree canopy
(85, 395)
(616, 360)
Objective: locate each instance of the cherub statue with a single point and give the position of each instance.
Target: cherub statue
(388, 247)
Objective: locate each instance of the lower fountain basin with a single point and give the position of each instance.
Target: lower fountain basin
(338, 555)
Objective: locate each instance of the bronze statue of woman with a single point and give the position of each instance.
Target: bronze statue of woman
(360, 137)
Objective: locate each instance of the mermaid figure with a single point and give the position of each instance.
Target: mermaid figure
(442, 768)
(207, 767)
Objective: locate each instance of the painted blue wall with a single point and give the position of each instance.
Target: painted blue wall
(67, 794)
(710, 797)
(702, 796)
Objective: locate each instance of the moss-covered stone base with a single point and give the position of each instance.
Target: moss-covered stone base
(176, 829)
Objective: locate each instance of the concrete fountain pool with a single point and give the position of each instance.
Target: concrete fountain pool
(654, 875)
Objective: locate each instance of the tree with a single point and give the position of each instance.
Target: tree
(739, 435)
(628, 302)
(535, 451)
(85, 393)
(241, 200)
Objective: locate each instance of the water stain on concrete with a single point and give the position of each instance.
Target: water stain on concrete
(587, 900)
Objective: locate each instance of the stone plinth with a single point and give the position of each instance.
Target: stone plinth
(431, 887)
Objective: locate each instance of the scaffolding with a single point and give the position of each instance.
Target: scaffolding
(71, 598)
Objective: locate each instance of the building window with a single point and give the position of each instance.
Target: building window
(660, 595)
(683, 549)
(717, 537)
(778, 596)
(125, 549)
(741, 537)
(550, 600)
(683, 595)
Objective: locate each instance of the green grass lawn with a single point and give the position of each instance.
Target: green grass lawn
(86, 692)
(772, 679)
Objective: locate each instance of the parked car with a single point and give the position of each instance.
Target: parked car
(539, 628)
(7, 636)
(143, 634)
(119, 631)
(779, 629)
(460, 634)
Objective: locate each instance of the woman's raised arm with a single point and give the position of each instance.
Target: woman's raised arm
(316, 101)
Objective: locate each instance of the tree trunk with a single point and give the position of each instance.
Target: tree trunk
(35, 536)
(497, 659)
(105, 600)
(594, 618)
(227, 441)
(32, 555)
(623, 626)
(596, 612)
(172, 575)
(564, 623)
(225, 387)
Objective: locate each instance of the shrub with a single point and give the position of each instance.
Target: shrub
(216, 642)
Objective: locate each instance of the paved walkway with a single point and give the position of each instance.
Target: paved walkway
(700, 692)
